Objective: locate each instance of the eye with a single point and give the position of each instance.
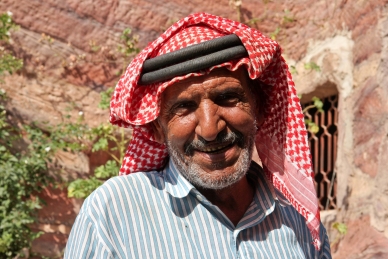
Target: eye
(183, 108)
(228, 99)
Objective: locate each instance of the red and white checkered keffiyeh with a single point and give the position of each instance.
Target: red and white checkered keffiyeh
(282, 139)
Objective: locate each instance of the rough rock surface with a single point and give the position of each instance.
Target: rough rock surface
(366, 240)
(347, 39)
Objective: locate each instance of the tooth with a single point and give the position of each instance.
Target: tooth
(213, 149)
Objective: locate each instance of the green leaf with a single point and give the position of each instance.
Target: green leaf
(9, 63)
(288, 18)
(129, 42)
(318, 103)
(340, 227)
(101, 144)
(82, 188)
(293, 70)
(23, 174)
(111, 168)
(105, 98)
(312, 66)
(313, 128)
(274, 34)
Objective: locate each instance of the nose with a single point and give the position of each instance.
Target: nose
(210, 122)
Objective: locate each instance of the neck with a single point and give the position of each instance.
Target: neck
(233, 200)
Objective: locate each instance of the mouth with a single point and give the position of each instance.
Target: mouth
(218, 149)
(221, 144)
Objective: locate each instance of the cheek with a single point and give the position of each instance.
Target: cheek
(239, 118)
(181, 129)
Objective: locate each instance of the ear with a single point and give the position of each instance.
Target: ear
(260, 102)
(259, 114)
(158, 131)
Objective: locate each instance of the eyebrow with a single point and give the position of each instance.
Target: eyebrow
(232, 88)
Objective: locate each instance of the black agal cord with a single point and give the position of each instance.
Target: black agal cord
(192, 58)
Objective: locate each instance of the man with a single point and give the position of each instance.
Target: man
(201, 99)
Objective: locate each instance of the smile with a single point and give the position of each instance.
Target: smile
(214, 149)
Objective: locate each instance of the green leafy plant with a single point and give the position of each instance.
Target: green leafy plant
(6, 26)
(108, 139)
(312, 66)
(293, 70)
(274, 34)
(105, 98)
(98, 54)
(8, 63)
(288, 17)
(317, 104)
(24, 170)
(128, 43)
(105, 137)
(22, 176)
(78, 137)
(25, 153)
(342, 229)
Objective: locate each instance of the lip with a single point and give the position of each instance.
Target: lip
(215, 148)
(226, 154)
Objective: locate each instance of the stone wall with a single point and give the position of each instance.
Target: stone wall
(347, 39)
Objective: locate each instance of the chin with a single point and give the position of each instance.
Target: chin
(201, 178)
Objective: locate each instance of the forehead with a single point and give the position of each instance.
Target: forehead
(218, 79)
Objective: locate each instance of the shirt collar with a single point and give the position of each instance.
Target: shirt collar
(274, 194)
(175, 183)
(179, 187)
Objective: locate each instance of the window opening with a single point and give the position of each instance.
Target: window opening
(323, 146)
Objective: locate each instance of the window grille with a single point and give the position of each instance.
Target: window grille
(323, 146)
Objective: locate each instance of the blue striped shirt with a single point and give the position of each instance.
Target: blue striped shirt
(161, 215)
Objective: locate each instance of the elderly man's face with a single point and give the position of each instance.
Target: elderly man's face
(209, 125)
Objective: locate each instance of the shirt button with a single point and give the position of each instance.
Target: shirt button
(199, 197)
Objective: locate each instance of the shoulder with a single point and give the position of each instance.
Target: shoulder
(122, 191)
(111, 213)
(294, 221)
(133, 181)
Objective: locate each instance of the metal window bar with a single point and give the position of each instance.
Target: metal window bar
(323, 146)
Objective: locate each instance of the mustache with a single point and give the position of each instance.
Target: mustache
(222, 138)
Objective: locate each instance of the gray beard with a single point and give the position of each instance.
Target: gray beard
(200, 178)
